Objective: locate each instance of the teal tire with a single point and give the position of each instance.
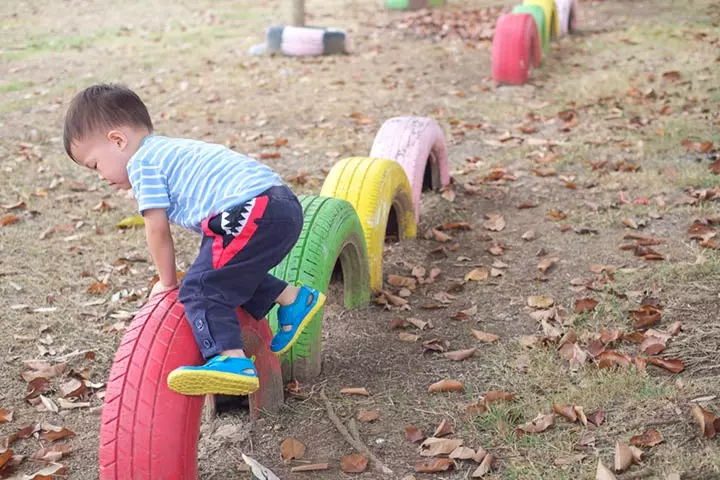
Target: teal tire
(332, 237)
(539, 15)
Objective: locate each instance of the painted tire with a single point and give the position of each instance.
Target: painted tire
(516, 47)
(568, 15)
(149, 432)
(412, 4)
(304, 41)
(539, 15)
(418, 145)
(373, 186)
(331, 232)
(552, 23)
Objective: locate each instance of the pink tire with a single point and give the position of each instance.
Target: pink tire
(568, 13)
(418, 145)
(516, 47)
(149, 432)
(302, 41)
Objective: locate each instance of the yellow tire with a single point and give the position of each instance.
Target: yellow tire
(375, 187)
(552, 21)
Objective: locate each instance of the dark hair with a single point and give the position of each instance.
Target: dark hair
(103, 106)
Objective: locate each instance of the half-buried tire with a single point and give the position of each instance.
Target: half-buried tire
(552, 22)
(332, 237)
(418, 145)
(149, 432)
(379, 191)
(516, 47)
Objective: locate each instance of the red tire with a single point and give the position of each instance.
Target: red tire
(516, 47)
(149, 432)
(418, 145)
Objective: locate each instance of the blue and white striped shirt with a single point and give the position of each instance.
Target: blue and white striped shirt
(193, 179)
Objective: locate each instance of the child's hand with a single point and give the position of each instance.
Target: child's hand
(160, 288)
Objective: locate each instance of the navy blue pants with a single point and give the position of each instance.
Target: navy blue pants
(239, 247)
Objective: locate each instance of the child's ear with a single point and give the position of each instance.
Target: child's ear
(117, 137)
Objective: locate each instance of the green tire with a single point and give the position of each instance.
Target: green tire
(331, 233)
(539, 15)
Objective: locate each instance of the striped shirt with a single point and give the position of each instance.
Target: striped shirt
(193, 180)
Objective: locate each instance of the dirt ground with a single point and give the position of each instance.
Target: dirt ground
(605, 141)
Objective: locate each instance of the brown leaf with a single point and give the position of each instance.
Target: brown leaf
(291, 448)
(544, 172)
(446, 385)
(611, 358)
(434, 465)
(460, 355)
(645, 316)
(484, 336)
(73, 388)
(675, 366)
(48, 473)
(538, 425)
(529, 235)
(497, 396)
(37, 387)
(455, 226)
(649, 438)
(52, 453)
(625, 456)
(584, 305)
(540, 302)
(526, 205)
(671, 76)
(495, 222)
(53, 433)
(709, 423)
(436, 344)
(353, 463)
(5, 456)
(438, 235)
(445, 428)
(603, 473)
(609, 335)
(475, 409)
(413, 434)
(484, 467)
(398, 281)
(367, 416)
(310, 468)
(419, 324)
(556, 215)
(432, 447)
(478, 274)
(547, 263)
(448, 193)
(567, 411)
(355, 391)
(6, 415)
(9, 220)
(462, 453)
(98, 288)
(652, 345)
(270, 155)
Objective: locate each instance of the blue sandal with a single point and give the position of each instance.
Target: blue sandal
(297, 316)
(221, 375)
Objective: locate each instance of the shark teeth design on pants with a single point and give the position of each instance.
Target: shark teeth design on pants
(232, 223)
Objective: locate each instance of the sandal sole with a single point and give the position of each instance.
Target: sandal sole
(194, 382)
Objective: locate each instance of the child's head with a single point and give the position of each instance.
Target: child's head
(104, 126)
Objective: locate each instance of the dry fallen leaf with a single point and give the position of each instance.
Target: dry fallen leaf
(310, 468)
(53, 433)
(497, 396)
(529, 235)
(413, 434)
(611, 358)
(584, 305)
(604, 473)
(547, 263)
(446, 385)
(484, 336)
(291, 448)
(652, 345)
(538, 425)
(649, 438)
(435, 465)
(9, 220)
(478, 274)
(645, 316)
(672, 365)
(709, 423)
(462, 453)
(495, 222)
(475, 409)
(399, 281)
(353, 463)
(6, 415)
(366, 416)
(47, 473)
(355, 391)
(459, 355)
(445, 428)
(484, 467)
(625, 456)
(432, 447)
(540, 302)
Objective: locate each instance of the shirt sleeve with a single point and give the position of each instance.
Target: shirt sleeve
(149, 186)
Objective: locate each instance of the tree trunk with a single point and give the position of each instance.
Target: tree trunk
(298, 13)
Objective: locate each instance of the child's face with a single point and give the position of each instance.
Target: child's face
(108, 154)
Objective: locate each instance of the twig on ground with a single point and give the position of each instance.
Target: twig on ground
(355, 442)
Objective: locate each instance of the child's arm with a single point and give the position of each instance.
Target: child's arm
(162, 249)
